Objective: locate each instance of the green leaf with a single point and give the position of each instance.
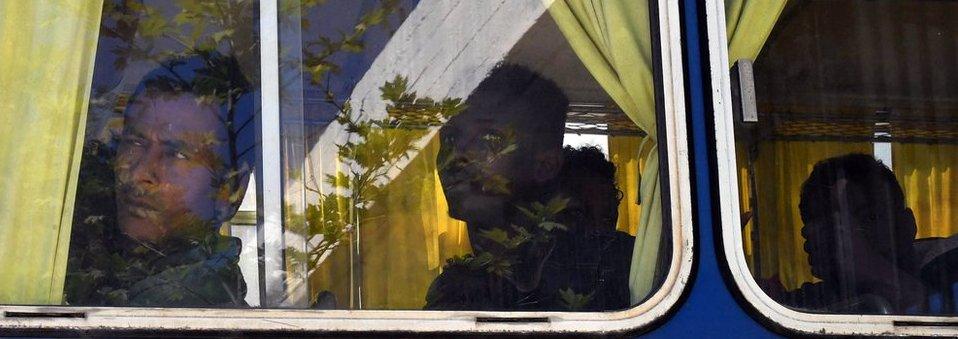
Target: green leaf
(574, 301)
(497, 235)
(550, 225)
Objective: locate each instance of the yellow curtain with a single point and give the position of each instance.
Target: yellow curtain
(613, 41)
(47, 50)
(926, 173)
(780, 169)
(411, 237)
(625, 154)
(405, 241)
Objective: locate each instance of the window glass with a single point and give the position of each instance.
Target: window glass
(433, 155)
(846, 155)
(435, 175)
(163, 216)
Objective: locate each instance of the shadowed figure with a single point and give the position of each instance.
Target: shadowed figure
(178, 172)
(499, 163)
(858, 236)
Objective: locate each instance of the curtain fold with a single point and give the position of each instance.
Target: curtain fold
(613, 41)
(406, 239)
(927, 175)
(624, 152)
(748, 24)
(47, 50)
(409, 237)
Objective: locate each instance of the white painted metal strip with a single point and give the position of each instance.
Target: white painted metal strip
(271, 178)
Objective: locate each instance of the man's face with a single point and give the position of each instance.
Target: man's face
(600, 199)
(481, 161)
(168, 167)
(838, 242)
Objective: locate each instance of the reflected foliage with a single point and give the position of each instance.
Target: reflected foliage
(195, 26)
(373, 149)
(317, 53)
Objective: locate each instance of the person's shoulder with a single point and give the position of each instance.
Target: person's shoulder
(623, 240)
(463, 284)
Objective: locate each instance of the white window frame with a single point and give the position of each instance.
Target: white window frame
(150, 320)
(732, 237)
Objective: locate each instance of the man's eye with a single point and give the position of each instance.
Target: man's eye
(134, 141)
(182, 155)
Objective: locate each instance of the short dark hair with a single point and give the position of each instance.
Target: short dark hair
(510, 83)
(586, 161)
(875, 180)
(212, 76)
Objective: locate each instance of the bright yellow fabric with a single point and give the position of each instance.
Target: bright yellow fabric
(927, 175)
(613, 41)
(781, 167)
(411, 237)
(47, 50)
(625, 154)
(406, 239)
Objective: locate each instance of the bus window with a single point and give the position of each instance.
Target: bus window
(844, 136)
(391, 155)
(439, 181)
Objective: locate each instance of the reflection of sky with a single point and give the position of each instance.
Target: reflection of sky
(329, 20)
(111, 80)
(581, 140)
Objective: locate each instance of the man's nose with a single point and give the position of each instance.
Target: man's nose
(145, 169)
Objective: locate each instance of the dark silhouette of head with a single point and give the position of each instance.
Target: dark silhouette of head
(505, 147)
(855, 218)
(186, 150)
(590, 179)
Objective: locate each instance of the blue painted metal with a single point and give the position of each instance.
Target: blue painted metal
(710, 310)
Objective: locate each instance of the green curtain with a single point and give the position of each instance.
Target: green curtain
(613, 41)
(47, 48)
(748, 24)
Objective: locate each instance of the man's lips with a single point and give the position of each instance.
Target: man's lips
(137, 206)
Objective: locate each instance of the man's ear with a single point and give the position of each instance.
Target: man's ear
(547, 165)
(227, 208)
